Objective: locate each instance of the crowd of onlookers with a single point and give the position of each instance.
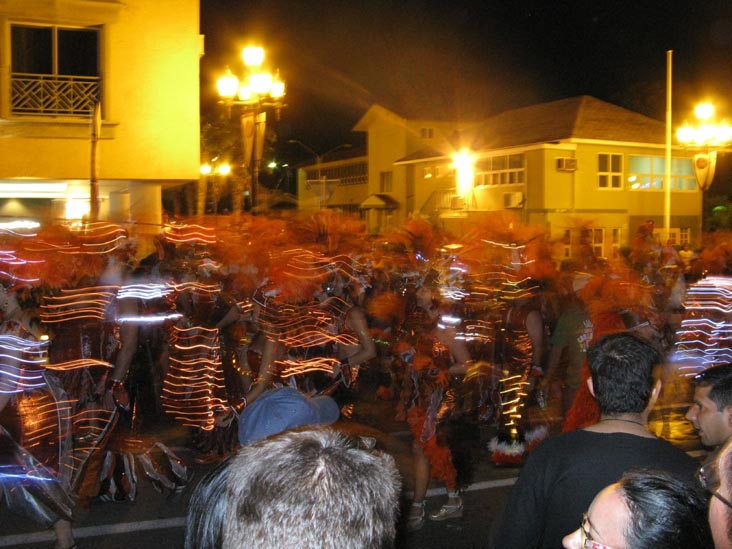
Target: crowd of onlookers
(239, 333)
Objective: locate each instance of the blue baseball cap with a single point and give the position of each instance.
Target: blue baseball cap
(281, 409)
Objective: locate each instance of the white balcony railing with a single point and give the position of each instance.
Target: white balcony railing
(53, 95)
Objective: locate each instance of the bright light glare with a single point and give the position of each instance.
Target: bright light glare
(261, 83)
(224, 169)
(253, 56)
(77, 208)
(227, 85)
(206, 169)
(463, 163)
(685, 134)
(278, 87)
(704, 111)
(20, 224)
(245, 92)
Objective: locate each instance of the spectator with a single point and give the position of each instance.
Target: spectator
(687, 256)
(564, 473)
(644, 509)
(716, 478)
(711, 410)
(569, 342)
(306, 489)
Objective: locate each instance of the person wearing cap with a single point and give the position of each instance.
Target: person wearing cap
(282, 409)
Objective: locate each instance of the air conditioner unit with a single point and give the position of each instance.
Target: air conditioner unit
(566, 164)
(513, 200)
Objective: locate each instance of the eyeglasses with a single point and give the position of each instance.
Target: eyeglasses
(586, 542)
(708, 476)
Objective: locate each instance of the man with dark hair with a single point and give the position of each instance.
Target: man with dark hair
(645, 508)
(711, 410)
(564, 473)
(307, 489)
(716, 478)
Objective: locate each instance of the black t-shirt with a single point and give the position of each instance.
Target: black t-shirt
(562, 476)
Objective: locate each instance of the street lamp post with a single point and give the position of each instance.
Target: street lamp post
(319, 158)
(213, 177)
(257, 90)
(705, 139)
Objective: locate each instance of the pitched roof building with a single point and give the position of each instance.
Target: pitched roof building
(574, 165)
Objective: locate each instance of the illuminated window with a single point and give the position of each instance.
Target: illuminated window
(647, 173)
(501, 170)
(54, 70)
(567, 243)
(429, 172)
(615, 242)
(598, 242)
(684, 235)
(610, 171)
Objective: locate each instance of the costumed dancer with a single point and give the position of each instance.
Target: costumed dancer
(193, 388)
(29, 483)
(425, 351)
(350, 319)
(518, 353)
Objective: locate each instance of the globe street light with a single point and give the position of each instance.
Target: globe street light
(213, 177)
(255, 91)
(706, 137)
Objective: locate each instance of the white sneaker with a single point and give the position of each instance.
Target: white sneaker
(447, 512)
(415, 522)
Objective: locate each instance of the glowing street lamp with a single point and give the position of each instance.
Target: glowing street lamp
(256, 90)
(213, 177)
(706, 135)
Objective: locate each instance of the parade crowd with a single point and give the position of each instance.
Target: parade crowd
(253, 335)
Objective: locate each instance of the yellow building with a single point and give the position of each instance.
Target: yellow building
(577, 163)
(140, 60)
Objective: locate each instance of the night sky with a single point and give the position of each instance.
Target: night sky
(467, 59)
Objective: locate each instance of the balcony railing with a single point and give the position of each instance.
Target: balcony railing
(439, 201)
(53, 95)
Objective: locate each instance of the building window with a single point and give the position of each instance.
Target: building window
(54, 70)
(427, 133)
(385, 182)
(647, 173)
(610, 170)
(616, 243)
(501, 170)
(684, 235)
(429, 172)
(598, 242)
